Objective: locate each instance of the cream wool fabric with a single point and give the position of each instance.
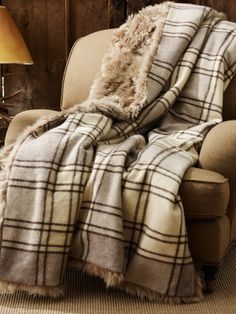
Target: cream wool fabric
(101, 193)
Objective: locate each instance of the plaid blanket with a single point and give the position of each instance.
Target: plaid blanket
(101, 193)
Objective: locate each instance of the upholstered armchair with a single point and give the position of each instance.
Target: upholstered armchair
(208, 190)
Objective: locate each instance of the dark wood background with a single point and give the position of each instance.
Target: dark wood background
(50, 28)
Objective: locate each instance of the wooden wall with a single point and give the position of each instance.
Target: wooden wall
(43, 26)
(50, 28)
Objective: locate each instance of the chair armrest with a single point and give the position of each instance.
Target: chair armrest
(218, 152)
(22, 120)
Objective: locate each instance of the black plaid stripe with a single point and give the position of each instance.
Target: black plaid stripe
(96, 130)
(130, 224)
(71, 217)
(192, 25)
(107, 164)
(221, 50)
(57, 157)
(157, 256)
(44, 227)
(17, 224)
(133, 247)
(229, 74)
(139, 189)
(176, 257)
(42, 164)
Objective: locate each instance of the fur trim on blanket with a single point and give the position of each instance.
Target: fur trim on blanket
(120, 89)
(144, 293)
(54, 292)
(116, 280)
(111, 279)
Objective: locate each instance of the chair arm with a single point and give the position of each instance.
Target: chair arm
(22, 120)
(218, 152)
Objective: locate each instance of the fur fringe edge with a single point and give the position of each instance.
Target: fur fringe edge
(116, 280)
(145, 293)
(111, 279)
(11, 288)
(118, 102)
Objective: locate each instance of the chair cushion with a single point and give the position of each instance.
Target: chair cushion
(205, 194)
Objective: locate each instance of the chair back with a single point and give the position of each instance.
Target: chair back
(83, 64)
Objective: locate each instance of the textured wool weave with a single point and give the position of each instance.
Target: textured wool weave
(97, 187)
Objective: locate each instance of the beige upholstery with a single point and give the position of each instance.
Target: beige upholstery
(209, 239)
(22, 120)
(206, 194)
(219, 154)
(83, 65)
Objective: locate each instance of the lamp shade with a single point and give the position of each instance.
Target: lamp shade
(12, 46)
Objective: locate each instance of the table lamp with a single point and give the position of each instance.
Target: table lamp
(13, 50)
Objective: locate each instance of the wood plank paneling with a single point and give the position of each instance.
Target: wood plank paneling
(134, 6)
(226, 6)
(42, 24)
(87, 16)
(117, 12)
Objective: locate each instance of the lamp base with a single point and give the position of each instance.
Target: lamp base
(3, 131)
(3, 110)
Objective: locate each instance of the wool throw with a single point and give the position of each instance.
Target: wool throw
(96, 187)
